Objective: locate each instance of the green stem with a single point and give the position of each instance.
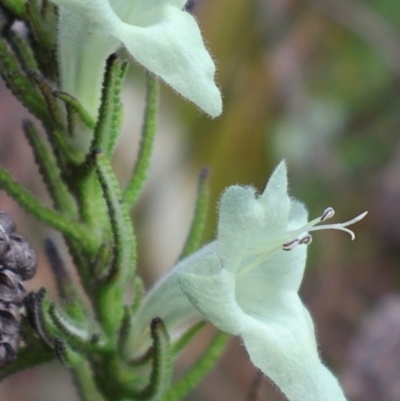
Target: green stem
(85, 384)
(28, 357)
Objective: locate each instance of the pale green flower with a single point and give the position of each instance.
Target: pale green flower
(246, 282)
(157, 33)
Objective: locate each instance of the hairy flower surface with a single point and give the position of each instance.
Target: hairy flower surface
(246, 282)
(157, 33)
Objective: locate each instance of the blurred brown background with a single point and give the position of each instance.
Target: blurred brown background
(316, 82)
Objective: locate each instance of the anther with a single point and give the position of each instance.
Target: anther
(306, 240)
(288, 246)
(328, 214)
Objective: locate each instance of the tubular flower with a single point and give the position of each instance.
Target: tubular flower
(157, 33)
(246, 283)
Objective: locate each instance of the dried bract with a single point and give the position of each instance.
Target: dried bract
(11, 289)
(20, 257)
(17, 263)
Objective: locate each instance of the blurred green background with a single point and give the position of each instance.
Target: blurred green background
(314, 82)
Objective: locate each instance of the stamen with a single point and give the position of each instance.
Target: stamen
(288, 246)
(341, 226)
(355, 220)
(300, 237)
(328, 213)
(306, 240)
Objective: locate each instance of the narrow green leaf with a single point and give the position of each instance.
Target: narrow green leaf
(71, 120)
(50, 172)
(23, 88)
(175, 348)
(195, 236)
(124, 261)
(129, 313)
(37, 26)
(118, 114)
(53, 108)
(29, 304)
(50, 323)
(137, 295)
(63, 150)
(72, 303)
(16, 7)
(108, 124)
(80, 260)
(203, 365)
(124, 331)
(124, 239)
(42, 21)
(66, 355)
(76, 107)
(149, 129)
(118, 119)
(161, 371)
(186, 338)
(101, 263)
(45, 8)
(22, 50)
(77, 335)
(120, 381)
(72, 229)
(37, 306)
(142, 359)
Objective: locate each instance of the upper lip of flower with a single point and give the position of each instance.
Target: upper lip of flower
(158, 34)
